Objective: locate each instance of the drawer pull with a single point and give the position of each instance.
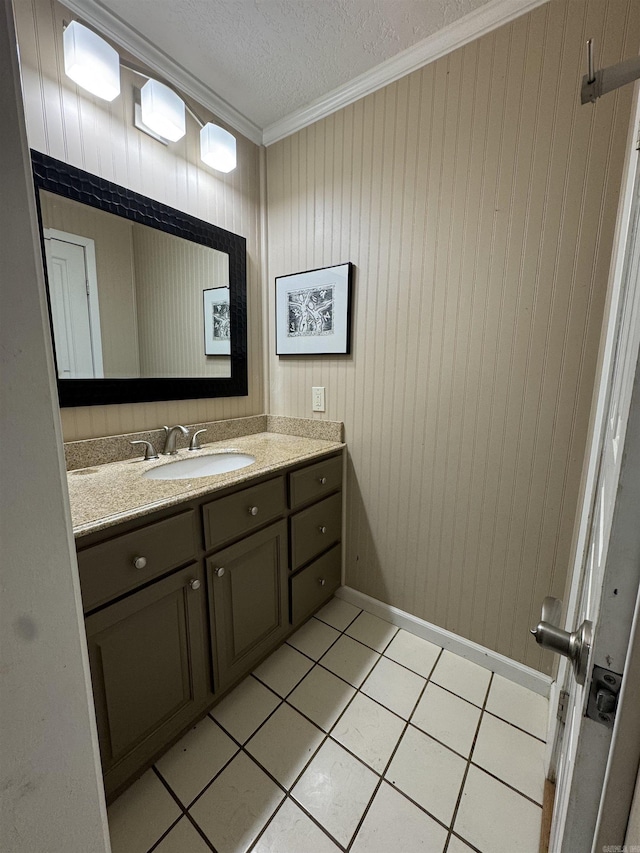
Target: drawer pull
(139, 562)
(219, 572)
(322, 481)
(194, 584)
(322, 529)
(321, 581)
(253, 510)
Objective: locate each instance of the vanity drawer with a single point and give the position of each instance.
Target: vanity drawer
(315, 529)
(315, 481)
(314, 585)
(107, 570)
(231, 517)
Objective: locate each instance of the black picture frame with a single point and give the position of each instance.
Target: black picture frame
(62, 179)
(313, 311)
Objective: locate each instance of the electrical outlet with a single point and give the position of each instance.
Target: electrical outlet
(317, 398)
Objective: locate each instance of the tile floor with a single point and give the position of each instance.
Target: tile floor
(353, 736)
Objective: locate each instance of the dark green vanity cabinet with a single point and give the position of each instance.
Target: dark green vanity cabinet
(315, 556)
(144, 597)
(248, 600)
(149, 670)
(182, 603)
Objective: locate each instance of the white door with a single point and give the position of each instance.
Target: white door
(603, 590)
(74, 305)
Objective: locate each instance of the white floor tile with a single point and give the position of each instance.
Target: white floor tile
(428, 773)
(496, 819)
(194, 761)
(413, 652)
(183, 838)
(314, 638)
(336, 789)
(519, 706)
(283, 669)
(141, 815)
(515, 757)
(393, 823)
(285, 743)
(462, 677)
(350, 660)
(457, 846)
(338, 613)
(369, 731)
(235, 808)
(322, 697)
(394, 687)
(242, 711)
(291, 831)
(371, 631)
(447, 718)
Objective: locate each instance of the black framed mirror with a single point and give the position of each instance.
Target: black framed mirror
(146, 302)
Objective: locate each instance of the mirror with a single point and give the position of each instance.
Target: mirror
(146, 302)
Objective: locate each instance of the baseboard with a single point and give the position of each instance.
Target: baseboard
(504, 666)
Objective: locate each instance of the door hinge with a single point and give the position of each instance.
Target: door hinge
(563, 702)
(603, 696)
(638, 139)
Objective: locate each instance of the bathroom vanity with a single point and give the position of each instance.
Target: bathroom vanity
(190, 592)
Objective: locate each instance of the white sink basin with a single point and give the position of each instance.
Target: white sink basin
(200, 466)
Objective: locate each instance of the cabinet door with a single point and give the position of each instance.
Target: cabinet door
(147, 656)
(248, 606)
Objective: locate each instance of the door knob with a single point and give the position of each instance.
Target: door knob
(140, 562)
(219, 573)
(194, 584)
(574, 645)
(253, 510)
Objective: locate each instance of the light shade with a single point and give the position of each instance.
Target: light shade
(217, 148)
(91, 62)
(162, 110)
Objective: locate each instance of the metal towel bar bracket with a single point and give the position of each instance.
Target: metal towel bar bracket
(598, 83)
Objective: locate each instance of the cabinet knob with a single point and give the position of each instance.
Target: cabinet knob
(321, 581)
(139, 562)
(219, 572)
(322, 529)
(322, 481)
(253, 510)
(194, 584)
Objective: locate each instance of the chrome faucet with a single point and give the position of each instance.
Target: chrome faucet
(171, 433)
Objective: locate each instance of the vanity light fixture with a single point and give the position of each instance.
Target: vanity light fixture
(91, 62)
(163, 110)
(95, 65)
(217, 148)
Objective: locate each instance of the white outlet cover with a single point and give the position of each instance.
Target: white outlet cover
(317, 399)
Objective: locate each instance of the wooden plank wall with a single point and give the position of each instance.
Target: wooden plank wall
(69, 124)
(477, 200)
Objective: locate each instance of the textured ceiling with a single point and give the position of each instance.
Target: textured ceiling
(268, 58)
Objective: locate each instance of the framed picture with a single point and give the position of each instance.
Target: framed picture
(313, 311)
(217, 321)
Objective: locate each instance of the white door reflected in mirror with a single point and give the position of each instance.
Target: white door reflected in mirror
(75, 313)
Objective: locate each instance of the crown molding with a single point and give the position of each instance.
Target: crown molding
(111, 26)
(483, 20)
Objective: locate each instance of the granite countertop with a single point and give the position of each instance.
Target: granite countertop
(108, 494)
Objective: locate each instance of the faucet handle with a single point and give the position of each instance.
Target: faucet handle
(149, 450)
(195, 441)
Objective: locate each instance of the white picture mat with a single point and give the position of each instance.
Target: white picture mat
(213, 345)
(326, 343)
